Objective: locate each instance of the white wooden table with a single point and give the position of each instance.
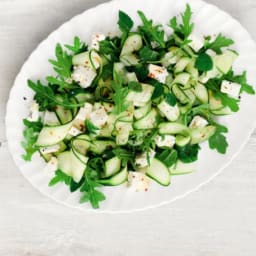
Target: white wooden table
(219, 219)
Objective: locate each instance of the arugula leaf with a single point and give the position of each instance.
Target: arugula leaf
(90, 127)
(89, 191)
(110, 47)
(204, 62)
(60, 177)
(148, 141)
(124, 154)
(30, 135)
(135, 86)
(154, 33)
(170, 99)
(169, 157)
(218, 140)
(240, 79)
(120, 94)
(186, 27)
(74, 186)
(220, 42)
(46, 98)
(125, 24)
(63, 63)
(77, 46)
(188, 153)
(62, 83)
(146, 54)
(214, 85)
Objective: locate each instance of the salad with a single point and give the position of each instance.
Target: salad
(133, 108)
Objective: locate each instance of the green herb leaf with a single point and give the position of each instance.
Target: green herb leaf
(170, 99)
(240, 79)
(123, 154)
(169, 157)
(110, 47)
(125, 22)
(74, 186)
(60, 177)
(218, 141)
(120, 94)
(63, 63)
(154, 33)
(186, 27)
(77, 46)
(220, 42)
(188, 153)
(90, 127)
(204, 62)
(135, 86)
(146, 54)
(30, 135)
(158, 91)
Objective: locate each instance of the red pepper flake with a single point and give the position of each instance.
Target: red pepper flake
(146, 189)
(151, 75)
(97, 36)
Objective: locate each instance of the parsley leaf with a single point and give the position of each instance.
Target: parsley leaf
(90, 127)
(154, 33)
(170, 99)
(218, 140)
(240, 79)
(204, 62)
(125, 24)
(135, 86)
(186, 27)
(220, 42)
(158, 91)
(146, 54)
(77, 46)
(110, 47)
(30, 136)
(60, 177)
(120, 94)
(63, 63)
(188, 153)
(169, 157)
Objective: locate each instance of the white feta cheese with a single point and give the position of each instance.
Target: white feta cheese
(138, 181)
(84, 112)
(96, 38)
(232, 89)
(74, 131)
(51, 166)
(198, 122)
(83, 75)
(99, 117)
(196, 43)
(50, 118)
(34, 112)
(157, 72)
(50, 149)
(165, 141)
(170, 112)
(141, 160)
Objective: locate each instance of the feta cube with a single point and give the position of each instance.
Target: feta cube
(232, 89)
(198, 122)
(74, 131)
(138, 181)
(34, 112)
(83, 75)
(196, 43)
(99, 117)
(96, 38)
(51, 166)
(141, 160)
(84, 112)
(170, 112)
(50, 149)
(50, 118)
(158, 73)
(165, 141)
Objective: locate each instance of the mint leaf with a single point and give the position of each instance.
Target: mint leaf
(170, 99)
(204, 62)
(220, 42)
(135, 86)
(146, 54)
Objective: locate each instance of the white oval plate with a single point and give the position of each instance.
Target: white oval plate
(103, 18)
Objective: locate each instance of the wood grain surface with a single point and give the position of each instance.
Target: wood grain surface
(217, 220)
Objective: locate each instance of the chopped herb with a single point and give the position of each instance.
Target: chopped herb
(125, 24)
(147, 55)
(90, 127)
(188, 153)
(60, 177)
(77, 46)
(168, 156)
(204, 62)
(135, 86)
(170, 99)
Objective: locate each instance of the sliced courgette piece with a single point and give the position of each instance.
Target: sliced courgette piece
(99, 146)
(117, 179)
(201, 93)
(201, 134)
(112, 166)
(173, 128)
(132, 43)
(147, 122)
